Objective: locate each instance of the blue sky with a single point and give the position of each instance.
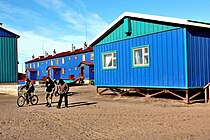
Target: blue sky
(56, 24)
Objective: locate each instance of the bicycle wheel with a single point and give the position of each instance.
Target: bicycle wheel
(34, 99)
(21, 101)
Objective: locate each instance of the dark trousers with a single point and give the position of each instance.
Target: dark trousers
(28, 95)
(61, 98)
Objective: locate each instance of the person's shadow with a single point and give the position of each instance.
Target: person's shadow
(75, 104)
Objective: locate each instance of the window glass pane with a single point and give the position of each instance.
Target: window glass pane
(114, 62)
(114, 54)
(146, 50)
(92, 56)
(138, 56)
(146, 59)
(107, 60)
(83, 57)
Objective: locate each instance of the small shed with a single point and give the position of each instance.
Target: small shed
(8, 62)
(145, 52)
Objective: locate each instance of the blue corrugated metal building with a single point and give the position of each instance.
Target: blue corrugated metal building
(8, 56)
(66, 65)
(146, 51)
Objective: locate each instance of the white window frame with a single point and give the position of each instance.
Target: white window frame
(37, 64)
(113, 58)
(144, 54)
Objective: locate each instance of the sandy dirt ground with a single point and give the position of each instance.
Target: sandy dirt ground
(90, 116)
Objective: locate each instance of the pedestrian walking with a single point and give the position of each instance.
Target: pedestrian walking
(49, 90)
(63, 88)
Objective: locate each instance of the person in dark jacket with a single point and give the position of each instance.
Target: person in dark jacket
(63, 88)
(49, 89)
(29, 89)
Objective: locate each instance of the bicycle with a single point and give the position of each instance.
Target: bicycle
(33, 99)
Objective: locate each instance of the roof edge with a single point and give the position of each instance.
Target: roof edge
(17, 36)
(149, 17)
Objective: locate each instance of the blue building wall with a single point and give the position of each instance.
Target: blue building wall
(167, 58)
(70, 66)
(198, 42)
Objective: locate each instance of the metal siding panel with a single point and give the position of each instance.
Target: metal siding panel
(158, 74)
(8, 58)
(199, 56)
(139, 28)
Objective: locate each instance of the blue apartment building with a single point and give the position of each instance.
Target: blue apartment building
(66, 65)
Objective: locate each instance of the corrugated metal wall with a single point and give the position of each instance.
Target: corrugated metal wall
(167, 66)
(8, 59)
(198, 41)
(138, 28)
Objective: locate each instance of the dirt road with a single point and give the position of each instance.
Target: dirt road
(90, 116)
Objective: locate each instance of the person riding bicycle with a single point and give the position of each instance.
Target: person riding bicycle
(29, 89)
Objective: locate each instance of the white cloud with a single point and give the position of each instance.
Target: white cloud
(77, 16)
(30, 44)
(71, 21)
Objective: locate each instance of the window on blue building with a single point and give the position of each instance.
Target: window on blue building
(34, 65)
(75, 57)
(63, 71)
(37, 64)
(63, 60)
(51, 62)
(38, 73)
(57, 61)
(42, 71)
(46, 62)
(91, 56)
(76, 68)
(141, 56)
(109, 60)
(83, 57)
(69, 57)
(42, 62)
(69, 69)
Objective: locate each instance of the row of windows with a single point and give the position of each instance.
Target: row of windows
(62, 60)
(62, 70)
(140, 58)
